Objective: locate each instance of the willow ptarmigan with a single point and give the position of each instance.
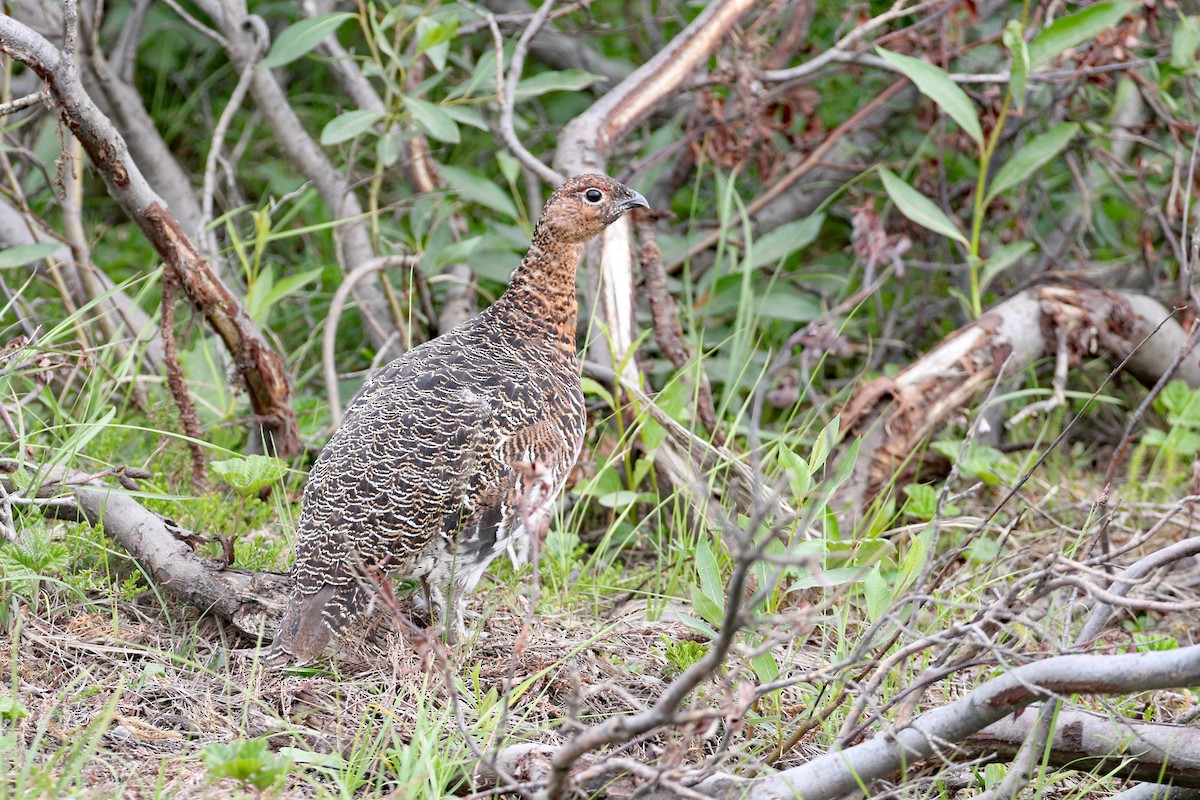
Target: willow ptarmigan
(449, 450)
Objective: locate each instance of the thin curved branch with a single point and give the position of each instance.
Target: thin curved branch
(336, 306)
(506, 93)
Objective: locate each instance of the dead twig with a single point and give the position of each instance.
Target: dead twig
(506, 92)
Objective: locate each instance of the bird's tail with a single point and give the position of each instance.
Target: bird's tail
(306, 627)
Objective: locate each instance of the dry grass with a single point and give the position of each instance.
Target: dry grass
(129, 694)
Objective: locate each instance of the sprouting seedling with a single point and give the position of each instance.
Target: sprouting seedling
(248, 475)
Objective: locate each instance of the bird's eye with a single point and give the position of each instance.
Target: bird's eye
(593, 195)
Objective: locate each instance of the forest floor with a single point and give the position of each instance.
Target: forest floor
(138, 697)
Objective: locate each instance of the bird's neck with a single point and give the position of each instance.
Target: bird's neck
(541, 298)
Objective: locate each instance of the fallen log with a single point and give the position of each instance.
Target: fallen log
(894, 416)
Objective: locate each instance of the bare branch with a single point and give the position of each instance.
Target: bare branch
(842, 771)
(506, 93)
(336, 306)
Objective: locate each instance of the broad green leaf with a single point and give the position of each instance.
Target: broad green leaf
(984, 551)
(919, 208)
(700, 626)
(1175, 397)
(297, 40)
(565, 80)
(988, 464)
(844, 467)
(432, 119)
(22, 254)
(1002, 259)
(1032, 156)
(250, 474)
(483, 74)
(458, 252)
(510, 168)
(914, 560)
(921, 502)
(291, 283)
(467, 115)
(877, 593)
(387, 147)
(709, 574)
(349, 124)
(823, 445)
(478, 189)
(1186, 413)
(707, 608)
(433, 39)
(591, 387)
(934, 83)
(799, 473)
(838, 576)
(1184, 43)
(765, 667)
(1066, 32)
(786, 302)
(1014, 40)
(673, 399)
(774, 246)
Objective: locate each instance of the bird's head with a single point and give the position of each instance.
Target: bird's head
(584, 206)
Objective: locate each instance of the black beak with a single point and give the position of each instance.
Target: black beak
(635, 200)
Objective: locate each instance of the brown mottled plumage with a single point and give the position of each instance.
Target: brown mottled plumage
(429, 476)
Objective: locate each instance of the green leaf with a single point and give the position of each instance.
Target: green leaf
(774, 246)
(1184, 43)
(250, 474)
(709, 574)
(922, 501)
(766, 669)
(824, 443)
(877, 593)
(786, 302)
(1014, 40)
(387, 148)
(933, 82)
(22, 254)
(478, 189)
(708, 610)
(984, 551)
(565, 80)
(291, 284)
(844, 467)
(988, 464)
(838, 576)
(467, 115)
(1066, 32)
(918, 208)
(433, 39)
(799, 472)
(1032, 156)
(432, 119)
(296, 40)
(250, 762)
(1002, 259)
(349, 124)
(914, 560)
(1175, 397)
